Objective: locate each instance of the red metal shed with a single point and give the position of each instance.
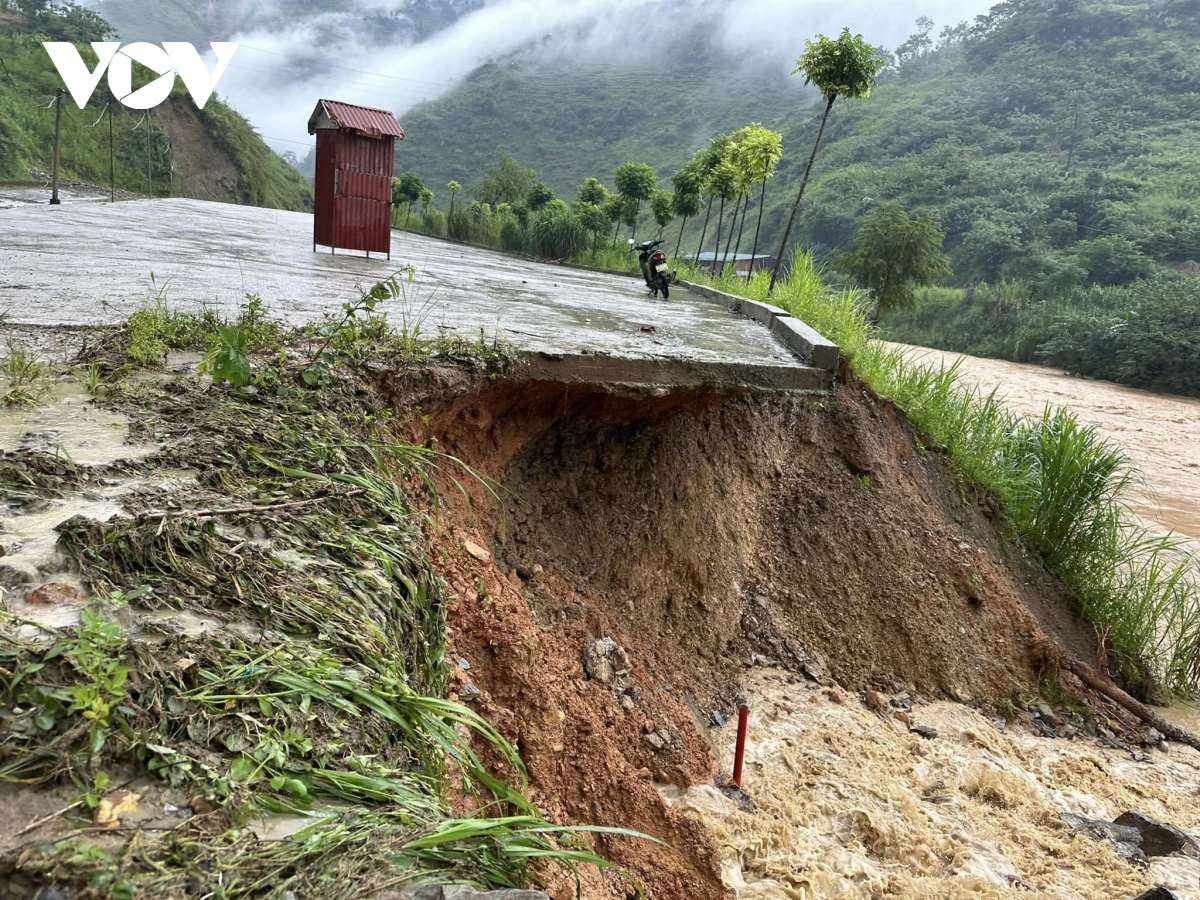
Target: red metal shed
(353, 189)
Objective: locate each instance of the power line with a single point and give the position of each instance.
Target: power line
(309, 144)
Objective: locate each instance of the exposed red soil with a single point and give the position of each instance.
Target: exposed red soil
(706, 532)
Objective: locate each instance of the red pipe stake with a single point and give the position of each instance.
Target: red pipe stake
(740, 753)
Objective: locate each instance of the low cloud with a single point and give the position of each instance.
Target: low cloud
(280, 72)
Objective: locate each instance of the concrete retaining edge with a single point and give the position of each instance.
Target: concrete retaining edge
(597, 368)
(813, 348)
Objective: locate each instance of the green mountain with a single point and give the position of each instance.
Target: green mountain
(1047, 124)
(175, 150)
(201, 21)
(574, 118)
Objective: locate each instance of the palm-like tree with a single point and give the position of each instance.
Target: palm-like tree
(758, 153)
(845, 67)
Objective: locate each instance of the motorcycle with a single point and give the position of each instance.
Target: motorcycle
(654, 267)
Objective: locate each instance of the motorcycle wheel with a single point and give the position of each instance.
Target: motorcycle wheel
(664, 285)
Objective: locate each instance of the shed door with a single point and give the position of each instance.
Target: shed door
(363, 194)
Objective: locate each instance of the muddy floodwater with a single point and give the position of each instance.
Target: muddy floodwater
(849, 804)
(1161, 433)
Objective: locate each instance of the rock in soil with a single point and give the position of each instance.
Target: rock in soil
(605, 660)
(468, 693)
(1159, 838)
(925, 731)
(1158, 893)
(56, 593)
(875, 701)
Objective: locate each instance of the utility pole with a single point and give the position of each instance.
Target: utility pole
(112, 178)
(149, 180)
(58, 95)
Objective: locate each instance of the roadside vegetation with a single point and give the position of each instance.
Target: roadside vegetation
(318, 687)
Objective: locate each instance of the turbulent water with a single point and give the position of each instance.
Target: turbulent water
(1160, 433)
(849, 804)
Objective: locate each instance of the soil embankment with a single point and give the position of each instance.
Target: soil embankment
(633, 562)
(707, 534)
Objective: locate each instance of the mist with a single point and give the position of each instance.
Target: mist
(282, 69)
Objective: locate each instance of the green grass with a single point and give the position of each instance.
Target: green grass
(1063, 487)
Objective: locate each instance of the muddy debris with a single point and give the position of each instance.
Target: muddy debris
(461, 892)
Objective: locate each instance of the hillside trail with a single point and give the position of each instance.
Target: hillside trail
(1161, 433)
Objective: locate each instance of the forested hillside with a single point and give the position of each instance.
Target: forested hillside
(573, 118)
(176, 150)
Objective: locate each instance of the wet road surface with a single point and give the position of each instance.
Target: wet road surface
(1160, 432)
(92, 263)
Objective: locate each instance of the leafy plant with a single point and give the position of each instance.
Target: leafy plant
(25, 375)
(320, 366)
(228, 361)
(893, 254)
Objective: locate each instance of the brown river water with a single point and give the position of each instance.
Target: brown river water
(1160, 433)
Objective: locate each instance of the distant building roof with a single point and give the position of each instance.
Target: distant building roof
(374, 123)
(734, 257)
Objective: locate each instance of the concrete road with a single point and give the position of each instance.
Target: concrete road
(92, 263)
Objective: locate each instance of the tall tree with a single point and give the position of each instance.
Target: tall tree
(506, 182)
(758, 153)
(722, 183)
(845, 67)
(621, 211)
(685, 200)
(893, 254)
(636, 182)
(706, 160)
(594, 220)
(407, 189)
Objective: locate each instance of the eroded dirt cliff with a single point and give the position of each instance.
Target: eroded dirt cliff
(706, 533)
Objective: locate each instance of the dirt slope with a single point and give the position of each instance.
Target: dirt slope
(204, 170)
(706, 533)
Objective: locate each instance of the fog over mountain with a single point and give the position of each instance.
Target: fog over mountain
(398, 53)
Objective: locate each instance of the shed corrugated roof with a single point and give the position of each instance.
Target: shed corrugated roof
(364, 119)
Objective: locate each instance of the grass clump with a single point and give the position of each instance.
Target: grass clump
(1062, 485)
(25, 377)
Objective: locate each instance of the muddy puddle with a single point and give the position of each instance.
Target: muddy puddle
(39, 588)
(849, 804)
(1161, 433)
(66, 424)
